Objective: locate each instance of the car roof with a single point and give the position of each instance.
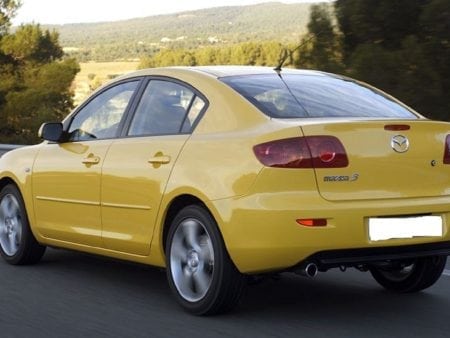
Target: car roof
(219, 71)
(222, 71)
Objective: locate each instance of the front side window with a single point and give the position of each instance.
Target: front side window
(309, 95)
(100, 118)
(162, 110)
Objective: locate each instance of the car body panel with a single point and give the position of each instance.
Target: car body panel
(16, 166)
(132, 189)
(263, 234)
(376, 170)
(65, 188)
(255, 207)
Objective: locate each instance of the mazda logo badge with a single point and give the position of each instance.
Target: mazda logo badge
(400, 143)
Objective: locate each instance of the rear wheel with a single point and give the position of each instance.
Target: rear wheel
(199, 270)
(17, 243)
(409, 276)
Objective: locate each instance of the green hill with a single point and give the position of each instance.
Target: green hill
(130, 39)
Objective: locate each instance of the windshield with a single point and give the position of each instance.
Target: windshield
(320, 95)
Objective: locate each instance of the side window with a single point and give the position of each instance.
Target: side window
(162, 109)
(100, 118)
(193, 115)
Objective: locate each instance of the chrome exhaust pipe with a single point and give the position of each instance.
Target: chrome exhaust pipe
(309, 270)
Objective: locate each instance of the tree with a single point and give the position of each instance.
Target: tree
(403, 73)
(400, 46)
(35, 79)
(246, 53)
(435, 37)
(321, 48)
(380, 22)
(8, 9)
(31, 44)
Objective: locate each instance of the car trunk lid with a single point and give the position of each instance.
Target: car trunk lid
(387, 159)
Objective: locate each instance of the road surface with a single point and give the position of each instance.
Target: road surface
(76, 295)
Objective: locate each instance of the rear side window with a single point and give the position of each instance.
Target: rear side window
(304, 95)
(194, 114)
(162, 109)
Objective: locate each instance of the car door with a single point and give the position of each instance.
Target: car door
(67, 175)
(137, 167)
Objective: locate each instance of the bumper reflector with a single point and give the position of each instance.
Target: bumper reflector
(312, 222)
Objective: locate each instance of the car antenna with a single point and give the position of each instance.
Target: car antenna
(285, 53)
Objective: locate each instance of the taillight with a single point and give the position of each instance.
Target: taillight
(447, 150)
(286, 153)
(303, 152)
(327, 152)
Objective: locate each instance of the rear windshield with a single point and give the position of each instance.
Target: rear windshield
(302, 95)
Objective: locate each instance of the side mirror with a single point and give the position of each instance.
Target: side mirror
(52, 131)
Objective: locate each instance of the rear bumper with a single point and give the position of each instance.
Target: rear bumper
(261, 233)
(352, 257)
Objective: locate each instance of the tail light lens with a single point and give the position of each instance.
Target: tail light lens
(327, 152)
(303, 152)
(447, 150)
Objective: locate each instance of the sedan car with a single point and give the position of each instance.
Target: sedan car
(221, 173)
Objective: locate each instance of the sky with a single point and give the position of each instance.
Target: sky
(76, 11)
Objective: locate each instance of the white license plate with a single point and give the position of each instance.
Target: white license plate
(405, 227)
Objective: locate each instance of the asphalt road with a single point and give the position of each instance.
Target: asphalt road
(76, 295)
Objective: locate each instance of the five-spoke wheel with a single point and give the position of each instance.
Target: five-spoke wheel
(411, 275)
(192, 259)
(10, 225)
(17, 243)
(200, 272)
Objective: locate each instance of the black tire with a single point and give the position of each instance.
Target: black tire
(18, 246)
(413, 276)
(201, 275)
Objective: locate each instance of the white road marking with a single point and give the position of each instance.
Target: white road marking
(446, 272)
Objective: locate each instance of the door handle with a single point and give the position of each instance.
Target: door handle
(91, 159)
(159, 159)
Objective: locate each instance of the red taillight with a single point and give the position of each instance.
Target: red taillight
(447, 150)
(303, 152)
(286, 153)
(327, 152)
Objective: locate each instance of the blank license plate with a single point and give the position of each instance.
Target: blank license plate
(406, 227)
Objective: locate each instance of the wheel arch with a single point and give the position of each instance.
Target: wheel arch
(28, 250)
(172, 203)
(4, 181)
(23, 185)
(175, 205)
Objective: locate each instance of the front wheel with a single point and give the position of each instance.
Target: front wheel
(17, 243)
(409, 276)
(199, 270)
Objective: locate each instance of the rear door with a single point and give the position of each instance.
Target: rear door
(138, 166)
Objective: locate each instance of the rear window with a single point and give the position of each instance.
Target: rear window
(297, 96)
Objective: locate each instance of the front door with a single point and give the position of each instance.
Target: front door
(67, 176)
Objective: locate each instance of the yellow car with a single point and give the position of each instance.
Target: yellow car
(221, 173)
